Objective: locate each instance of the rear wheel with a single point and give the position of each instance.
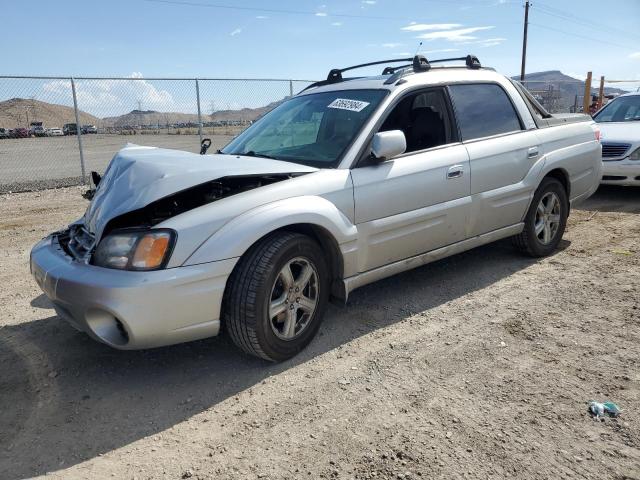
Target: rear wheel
(545, 221)
(276, 296)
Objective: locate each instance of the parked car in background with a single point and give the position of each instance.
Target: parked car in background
(619, 122)
(87, 129)
(54, 132)
(37, 129)
(20, 133)
(70, 129)
(4, 132)
(346, 183)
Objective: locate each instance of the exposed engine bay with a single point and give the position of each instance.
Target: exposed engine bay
(193, 197)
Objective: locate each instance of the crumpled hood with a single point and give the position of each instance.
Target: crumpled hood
(139, 175)
(623, 132)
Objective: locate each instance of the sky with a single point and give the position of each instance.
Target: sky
(304, 39)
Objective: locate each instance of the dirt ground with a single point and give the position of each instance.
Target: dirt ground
(477, 366)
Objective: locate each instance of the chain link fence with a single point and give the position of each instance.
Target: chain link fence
(54, 131)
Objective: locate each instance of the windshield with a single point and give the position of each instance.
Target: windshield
(622, 109)
(313, 130)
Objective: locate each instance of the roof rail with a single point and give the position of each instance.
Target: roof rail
(418, 62)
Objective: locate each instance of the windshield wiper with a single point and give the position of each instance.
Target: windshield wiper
(252, 153)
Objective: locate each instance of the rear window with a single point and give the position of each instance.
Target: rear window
(483, 110)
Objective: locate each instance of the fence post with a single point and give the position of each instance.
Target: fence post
(199, 112)
(291, 88)
(586, 101)
(78, 131)
(601, 92)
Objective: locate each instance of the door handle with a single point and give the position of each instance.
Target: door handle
(455, 171)
(533, 152)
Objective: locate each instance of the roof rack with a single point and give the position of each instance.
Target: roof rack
(418, 62)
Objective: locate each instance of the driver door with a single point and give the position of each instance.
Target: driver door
(420, 200)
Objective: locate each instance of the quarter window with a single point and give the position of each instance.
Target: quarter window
(483, 110)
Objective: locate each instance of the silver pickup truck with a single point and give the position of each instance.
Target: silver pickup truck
(350, 181)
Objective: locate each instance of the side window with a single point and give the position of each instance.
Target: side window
(483, 110)
(424, 119)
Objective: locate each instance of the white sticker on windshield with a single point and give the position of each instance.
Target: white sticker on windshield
(346, 104)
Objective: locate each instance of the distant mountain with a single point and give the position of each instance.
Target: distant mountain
(148, 117)
(152, 117)
(19, 112)
(557, 91)
(243, 114)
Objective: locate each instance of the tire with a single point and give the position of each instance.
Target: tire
(544, 242)
(257, 288)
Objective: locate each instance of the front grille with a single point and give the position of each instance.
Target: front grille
(78, 242)
(613, 150)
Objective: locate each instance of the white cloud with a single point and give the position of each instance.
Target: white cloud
(635, 55)
(369, 2)
(236, 32)
(321, 14)
(114, 97)
(261, 17)
(441, 50)
(485, 42)
(336, 24)
(392, 45)
(459, 35)
(421, 27)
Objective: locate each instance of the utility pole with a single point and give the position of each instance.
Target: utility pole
(524, 39)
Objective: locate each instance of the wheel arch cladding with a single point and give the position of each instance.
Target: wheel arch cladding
(331, 249)
(313, 216)
(562, 176)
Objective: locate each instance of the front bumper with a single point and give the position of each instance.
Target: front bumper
(621, 172)
(132, 310)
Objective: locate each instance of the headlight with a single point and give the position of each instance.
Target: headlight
(635, 155)
(135, 250)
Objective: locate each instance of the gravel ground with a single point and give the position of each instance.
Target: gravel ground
(477, 366)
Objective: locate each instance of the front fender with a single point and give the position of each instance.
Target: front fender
(239, 234)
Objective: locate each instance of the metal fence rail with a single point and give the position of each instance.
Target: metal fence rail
(54, 130)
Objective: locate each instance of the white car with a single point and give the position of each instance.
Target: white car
(619, 123)
(348, 182)
(54, 132)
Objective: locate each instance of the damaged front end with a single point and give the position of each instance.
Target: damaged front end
(194, 197)
(144, 186)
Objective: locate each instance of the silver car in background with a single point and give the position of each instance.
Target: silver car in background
(348, 182)
(619, 123)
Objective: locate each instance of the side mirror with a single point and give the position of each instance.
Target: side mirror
(386, 145)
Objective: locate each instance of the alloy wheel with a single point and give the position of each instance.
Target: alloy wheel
(294, 298)
(548, 217)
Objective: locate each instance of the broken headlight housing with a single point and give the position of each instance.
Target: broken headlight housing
(140, 250)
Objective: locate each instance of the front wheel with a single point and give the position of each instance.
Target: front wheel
(276, 296)
(545, 221)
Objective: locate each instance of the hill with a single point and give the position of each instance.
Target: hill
(148, 117)
(19, 112)
(243, 114)
(557, 91)
(152, 117)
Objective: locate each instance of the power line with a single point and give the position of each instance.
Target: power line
(566, 16)
(315, 13)
(599, 40)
